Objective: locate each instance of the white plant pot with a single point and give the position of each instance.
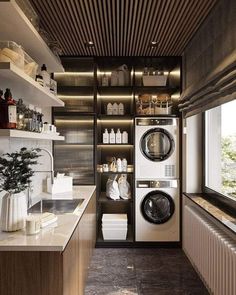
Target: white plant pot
(14, 212)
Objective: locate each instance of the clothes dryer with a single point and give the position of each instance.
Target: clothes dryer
(156, 148)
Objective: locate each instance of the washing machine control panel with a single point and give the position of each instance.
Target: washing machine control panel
(157, 183)
(156, 122)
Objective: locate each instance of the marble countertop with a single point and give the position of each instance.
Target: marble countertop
(54, 237)
(225, 218)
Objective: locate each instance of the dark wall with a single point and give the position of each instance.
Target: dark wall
(215, 40)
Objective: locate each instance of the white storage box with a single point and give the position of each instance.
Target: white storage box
(114, 234)
(155, 80)
(61, 185)
(116, 218)
(14, 53)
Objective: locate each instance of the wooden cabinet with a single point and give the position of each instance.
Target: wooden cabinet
(52, 273)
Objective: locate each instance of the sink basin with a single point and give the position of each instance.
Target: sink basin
(56, 206)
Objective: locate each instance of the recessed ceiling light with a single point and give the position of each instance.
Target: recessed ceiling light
(154, 44)
(89, 44)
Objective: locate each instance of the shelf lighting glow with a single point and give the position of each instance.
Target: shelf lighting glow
(141, 73)
(75, 96)
(60, 121)
(114, 96)
(175, 96)
(88, 74)
(103, 73)
(121, 121)
(175, 73)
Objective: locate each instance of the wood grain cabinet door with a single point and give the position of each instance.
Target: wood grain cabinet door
(71, 266)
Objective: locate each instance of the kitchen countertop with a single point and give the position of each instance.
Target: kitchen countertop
(53, 237)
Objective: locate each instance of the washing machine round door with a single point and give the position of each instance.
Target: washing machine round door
(157, 207)
(157, 144)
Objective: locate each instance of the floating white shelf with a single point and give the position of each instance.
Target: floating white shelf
(25, 87)
(13, 133)
(15, 26)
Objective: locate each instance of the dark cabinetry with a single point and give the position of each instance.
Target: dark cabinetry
(88, 87)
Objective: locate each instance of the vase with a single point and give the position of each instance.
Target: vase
(14, 212)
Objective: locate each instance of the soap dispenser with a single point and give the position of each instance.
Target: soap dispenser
(118, 136)
(112, 137)
(105, 136)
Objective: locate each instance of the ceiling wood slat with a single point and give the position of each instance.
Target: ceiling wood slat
(122, 27)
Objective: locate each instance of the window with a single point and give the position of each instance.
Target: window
(220, 149)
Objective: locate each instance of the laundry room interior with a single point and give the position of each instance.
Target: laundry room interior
(117, 147)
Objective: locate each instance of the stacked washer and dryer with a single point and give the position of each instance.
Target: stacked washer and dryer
(157, 191)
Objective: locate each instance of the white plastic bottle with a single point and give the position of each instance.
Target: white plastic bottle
(109, 109)
(119, 165)
(105, 137)
(124, 165)
(112, 136)
(115, 109)
(124, 137)
(121, 109)
(118, 136)
(46, 77)
(105, 80)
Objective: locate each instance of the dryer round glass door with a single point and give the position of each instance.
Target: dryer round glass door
(157, 144)
(157, 207)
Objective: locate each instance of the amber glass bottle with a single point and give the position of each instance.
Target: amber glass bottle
(8, 111)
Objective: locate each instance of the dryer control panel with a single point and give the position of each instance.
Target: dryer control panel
(156, 121)
(157, 183)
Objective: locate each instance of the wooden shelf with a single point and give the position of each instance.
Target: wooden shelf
(117, 90)
(14, 133)
(25, 87)
(104, 199)
(115, 117)
(115, 144)
(155, 89)
(110, 172)
(15, 26)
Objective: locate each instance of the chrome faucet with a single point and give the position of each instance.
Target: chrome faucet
(52, 164)
(29, 191)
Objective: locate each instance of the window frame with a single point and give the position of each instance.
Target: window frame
(222, 200)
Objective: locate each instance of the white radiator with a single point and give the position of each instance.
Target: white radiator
(211, 251)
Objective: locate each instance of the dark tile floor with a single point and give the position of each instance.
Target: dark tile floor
(142, 272)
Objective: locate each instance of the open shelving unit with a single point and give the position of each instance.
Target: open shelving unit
(22, 84)
(84, 95)
(14, 133)
(21, 31)
(15, 26)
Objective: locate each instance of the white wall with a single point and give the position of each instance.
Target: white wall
(192, 154)
(13, 144)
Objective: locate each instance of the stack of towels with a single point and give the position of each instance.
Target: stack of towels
(114, 226)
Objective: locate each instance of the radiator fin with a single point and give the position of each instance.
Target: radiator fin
(212, 252)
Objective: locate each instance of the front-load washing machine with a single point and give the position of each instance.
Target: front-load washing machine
(157, 214)
(156, 148)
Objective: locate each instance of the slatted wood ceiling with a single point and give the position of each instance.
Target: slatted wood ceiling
(122, 27)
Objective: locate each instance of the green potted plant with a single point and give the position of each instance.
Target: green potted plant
(15, 176)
